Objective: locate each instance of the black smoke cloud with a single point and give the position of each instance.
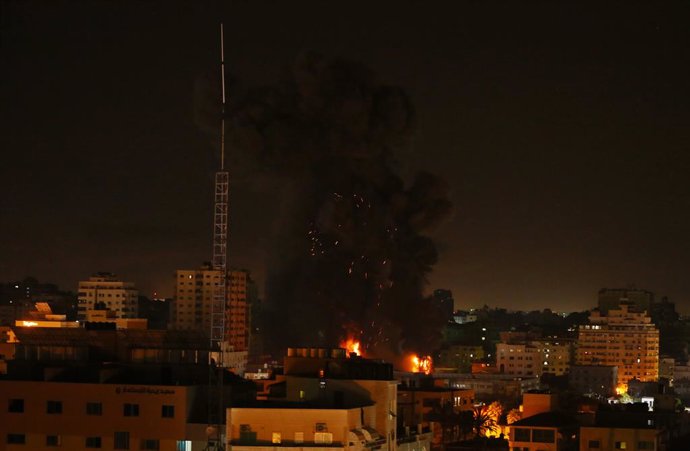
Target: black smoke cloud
(350, 255)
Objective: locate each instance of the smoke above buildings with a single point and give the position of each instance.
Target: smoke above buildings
(351, 254)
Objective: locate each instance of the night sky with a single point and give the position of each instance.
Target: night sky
(563, 132)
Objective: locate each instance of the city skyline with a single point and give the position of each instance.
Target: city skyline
(565, 157)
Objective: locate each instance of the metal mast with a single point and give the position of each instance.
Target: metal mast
(218, 304)
(220, 222)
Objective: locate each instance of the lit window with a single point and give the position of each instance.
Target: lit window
(275, 437)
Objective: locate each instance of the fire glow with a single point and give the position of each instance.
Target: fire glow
(421, 364)
(352, 346)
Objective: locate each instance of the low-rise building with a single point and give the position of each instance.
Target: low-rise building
(547, 431)
(97, 406)
(491, 387)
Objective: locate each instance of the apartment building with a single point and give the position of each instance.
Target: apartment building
(625, 338)
(533, 358)
(104, 291)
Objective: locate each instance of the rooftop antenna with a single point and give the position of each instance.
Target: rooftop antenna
(218, 304)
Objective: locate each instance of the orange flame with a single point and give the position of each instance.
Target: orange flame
(421, 364)
(351, 346)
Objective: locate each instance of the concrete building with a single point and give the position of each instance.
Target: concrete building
(296, 425)
(140, 407)
(429, 408)
(533, 358)
(547, 431)
(490, 387)
(611, 298)
(323, 399)
(106, 291)
(625, 338)
(240, 291)
(633, 430)
(194, 291)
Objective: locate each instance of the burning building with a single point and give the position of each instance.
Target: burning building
(351, 250)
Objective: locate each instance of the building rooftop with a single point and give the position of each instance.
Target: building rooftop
(547, 419)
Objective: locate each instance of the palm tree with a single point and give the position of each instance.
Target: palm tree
(484, 419)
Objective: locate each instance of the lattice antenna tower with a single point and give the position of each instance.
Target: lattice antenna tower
(218, 304)
(220, 221)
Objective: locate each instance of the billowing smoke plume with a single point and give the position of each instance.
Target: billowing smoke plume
(350, 254)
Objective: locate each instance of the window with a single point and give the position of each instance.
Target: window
(121, 440)
(93, 442)
(16, 406)
(54, 407)
(94, 408)
(321, 427)
(52, 440)
(16, 439)
(149, 444)
(522, 435)
(275, 437)
(168, 411)
(299, 437)
(645, 445)
(620, 445)
(594, 444)
(131, 410)
(543, 435)
(323, 437)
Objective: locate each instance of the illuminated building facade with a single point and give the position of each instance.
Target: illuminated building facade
(325, 399)
(37, 415)
(105, 291)
(533, 358)
(194, 290)
(624, 338)
(240, 290)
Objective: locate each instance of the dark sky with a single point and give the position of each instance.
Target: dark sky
(563, 132)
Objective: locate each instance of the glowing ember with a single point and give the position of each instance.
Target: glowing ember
(421, 364)
(352, 346)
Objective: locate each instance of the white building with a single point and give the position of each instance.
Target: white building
(104, 291)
